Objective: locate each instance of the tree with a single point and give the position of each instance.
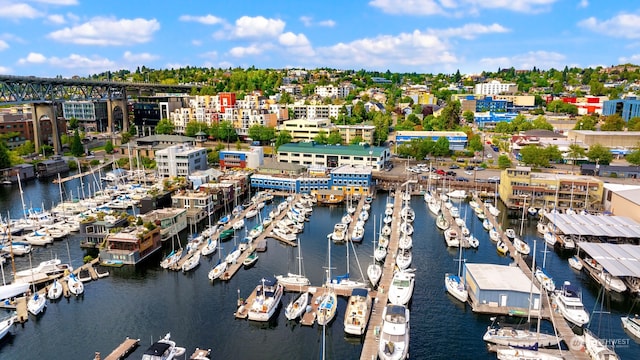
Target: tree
(356, 140)
(532, 155)
(634, 124)
(451, 114)
(5, 161)
(27, 148)
(125, 137)
(541, 123)
(575, 152)
(441, 147)
(334, 138)
(321, 138)
(552, 152)
(599, 154)
(261, 133)
(633, 157)
(77, 149)
(193, 127)
(164, 126)
(613, 122)
(108, 147)
(226, 132)
(504, 162)
(468, 116)
(475, 143)
(284, 137)
(73, 123)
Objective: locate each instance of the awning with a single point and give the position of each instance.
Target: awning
(593, 225)
(617, 259)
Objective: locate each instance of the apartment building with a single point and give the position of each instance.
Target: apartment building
(91, 115)
(319, 111)
(349, 132)
(549, 190)
(333, 156)
(180, 160)
(495, 87)
(332, 91)
(252, 158)
(306, 129)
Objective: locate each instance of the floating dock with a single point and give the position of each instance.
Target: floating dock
(122, 351)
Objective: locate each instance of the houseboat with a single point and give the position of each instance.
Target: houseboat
(94, 229)
(53, 166)
(170, 220)
(329, 197)
(131, 245)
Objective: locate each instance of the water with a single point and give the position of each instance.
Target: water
(146, 302)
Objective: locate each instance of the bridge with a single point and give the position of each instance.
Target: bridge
(44, 95)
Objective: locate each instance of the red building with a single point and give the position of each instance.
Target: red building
(227, 100)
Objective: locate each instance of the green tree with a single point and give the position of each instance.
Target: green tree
(441, 147)
(599, 154)
(468, 116)
(125, 137)
(321, 138)
(164, 126)
(261, 133)
(613, 122)
(532, 155)
(634, 124)
(77, 149)
(27, 148)
(451, 114)
(356, 140)
(552, 152)
(541, 123)
(193, 127)
(47, 150)
(575, 152)
(334, 138)
(226, 132)
(284, 137)
(108, 147)
(5, 160)
(73, 123)
(504, 162)
(633, 157)
(475, 143)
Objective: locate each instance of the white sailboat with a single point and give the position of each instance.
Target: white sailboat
(296, 308)
(6, 324)
(192, 262)
(55, 290)
(219, 268)
(344, 282)
(454, 284)
(36, 303)
(292, 279)
(374, 270)
(328, 302)
(76, 287)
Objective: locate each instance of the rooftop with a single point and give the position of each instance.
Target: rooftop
(351, 169)
(312, 147)
(591, 225)
(617, 259)
(501, 277)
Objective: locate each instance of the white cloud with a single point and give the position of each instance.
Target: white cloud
(57, 2)
(5, 70)
(308, 22)
(56, 19)
(79, 62)
(108, 31)
(141, 57)
(583, 3)
(622, 26)
(242, 51)
(207, 19)
(633, 59)
(470, 31)
(539, 59)
(256, 27)
(196, 42)
(175, 65)
(296, 44)
(3, 45)
(18, 11)
(416, 50)
(453, 7)
(33, 58)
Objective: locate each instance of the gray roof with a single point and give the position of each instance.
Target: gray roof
(617, 259)
(501, 277)
(594, 225)
(632, 195)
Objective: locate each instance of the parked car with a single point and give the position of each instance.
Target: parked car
(462, 178)
(451, 173)
(469, 167)
(454, 166)
(494, 179)
(440, 172)
(468, 172)
(478, 168)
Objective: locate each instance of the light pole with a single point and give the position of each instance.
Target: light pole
(524, 206)
(371, 158)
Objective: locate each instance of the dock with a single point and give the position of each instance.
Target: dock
(199, 354)
(122, 351)
(354, 218)
(76, 176)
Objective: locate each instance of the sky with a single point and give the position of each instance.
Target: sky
(82, 37)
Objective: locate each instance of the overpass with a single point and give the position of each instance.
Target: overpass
(44, 95)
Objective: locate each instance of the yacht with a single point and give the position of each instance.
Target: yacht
(339, 231)
(268, 295)
(394, 334)
(545, 280)
(451, 237)
(597, 349)
(36, 304)
(5, 325)
(401, 288)
(43, 270)
(163, 349)
(569, 303)
(509, 336)
(521, 246)
(631, 324)
(356, 316)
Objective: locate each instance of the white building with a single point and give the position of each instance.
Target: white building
(332, 156)
(318, 111)
(495, 87)
(180, 160)
(331, 91)
(306, 129)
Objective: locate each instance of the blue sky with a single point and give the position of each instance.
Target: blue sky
(82, 37)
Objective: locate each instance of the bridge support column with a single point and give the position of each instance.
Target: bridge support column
(117, 111)
(45, 110)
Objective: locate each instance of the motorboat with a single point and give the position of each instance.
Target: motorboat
(339, 231)
(44, 269)
(6, 324)
(597, 349)
(394, 333)
(239, 224)
(380, 253)
(544, 279)
(225, 235)
(451, 238)
(163, 349)
(55, 290)
(631, 324)
(541, 228)
(268, 294)
(250, 260)
(502, 248)
(441, 222)
(401, 288)
(521, 338)
(296, 308)
(457, 194)
(575, 262)
(13, 289)
(18, 248)
(76, 287)
(511, 233)
(521, 246)
(494, 235)
(569, 303)
(36, 304)
(346, 219)
(251, 214)
(460, 222)
(473, 241)
(464, 230)
(608, 281)
(550, 238)
(404, 258)
(357, 234)
(224, 220)
(405, 242)
(374, 273)
(455, 212)
(356, 316)
(327, 307)
(191, 262)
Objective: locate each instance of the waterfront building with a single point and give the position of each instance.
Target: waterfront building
(349, 132)
(252, 158)
(306, 129)
(332, 156)
(351, 179)
(627, 108)
(290, 184)
(457, 139)
(170, 220)
(549, 190)
(489, 119)
(495, 87)
(26, 172)
(288, 169)
(51, 167)
(148, 145)
(131, 245)
(199, 204)
(91, 115)
(500, 289)
(180, 160)
(94, 229)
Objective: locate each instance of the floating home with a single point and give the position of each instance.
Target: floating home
(131, 245)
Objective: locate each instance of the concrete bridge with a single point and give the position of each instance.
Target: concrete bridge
(46, 94)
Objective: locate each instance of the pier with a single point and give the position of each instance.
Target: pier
(79, 175)
(122, 351)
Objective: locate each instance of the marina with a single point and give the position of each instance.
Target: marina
(430, 306)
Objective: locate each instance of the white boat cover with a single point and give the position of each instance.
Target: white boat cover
(617, 259)
(591, 225)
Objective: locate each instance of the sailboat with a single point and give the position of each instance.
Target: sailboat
(374, 270)
(219, 268)
(454, 283)
(596, 348)
(192, 262)
(541, 275)
(174, 256)
(6, 324)
(328, 302)
(344, 282)
(76, 287)
(292, 279)
(297, 307)
(55, 290)
(36, 303)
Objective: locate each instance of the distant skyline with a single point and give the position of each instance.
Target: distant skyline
(82, 37)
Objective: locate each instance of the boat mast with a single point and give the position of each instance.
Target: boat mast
(13, 263)
(533, 267)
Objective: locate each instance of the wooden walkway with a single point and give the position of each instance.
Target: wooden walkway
(370, 346)
(123, 350)
(76, 176)
(354, 218)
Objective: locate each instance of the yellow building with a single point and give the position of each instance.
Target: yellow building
(306, 129)
(549, 190)
(349, 132)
